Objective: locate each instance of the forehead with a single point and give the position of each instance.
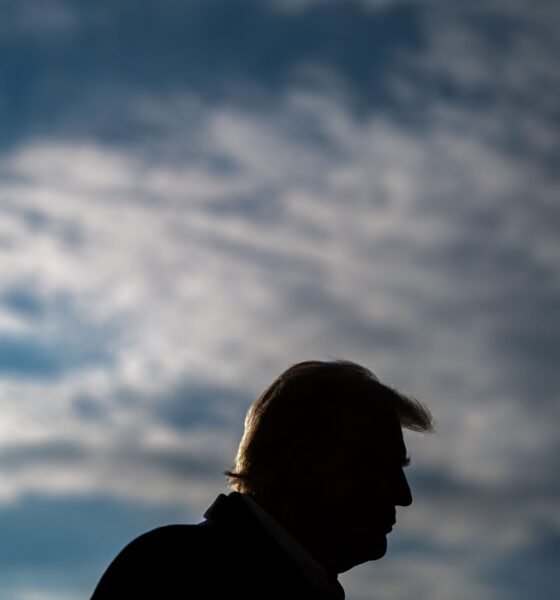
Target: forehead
(378, 437)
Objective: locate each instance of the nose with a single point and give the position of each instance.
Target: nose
(404, 495)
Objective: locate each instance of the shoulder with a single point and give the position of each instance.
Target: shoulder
(174, 540)
(171, 543)
(171, 536)
(159, 560)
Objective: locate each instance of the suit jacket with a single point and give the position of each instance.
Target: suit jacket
(228, 555)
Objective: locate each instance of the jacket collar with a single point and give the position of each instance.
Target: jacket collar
(235, 511)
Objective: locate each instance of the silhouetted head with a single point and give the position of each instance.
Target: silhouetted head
(323, 452)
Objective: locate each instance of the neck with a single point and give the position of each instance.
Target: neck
(296, 519)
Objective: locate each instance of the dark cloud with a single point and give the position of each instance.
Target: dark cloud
(66, 232)
(447, 488)
(193, 404)
(57, 337)
(28, 356)
(47, 453)
(24, 356)
(89, 408)
(182, 465)
(23, 301)
(530, 571)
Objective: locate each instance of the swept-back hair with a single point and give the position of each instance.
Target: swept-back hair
(293, 423)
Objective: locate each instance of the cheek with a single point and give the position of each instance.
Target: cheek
(355, 503)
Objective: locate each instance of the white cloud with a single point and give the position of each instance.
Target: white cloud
(240, 241)
(223, 273)
(227, 275)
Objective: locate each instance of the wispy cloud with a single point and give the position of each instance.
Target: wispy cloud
(358, 248)
(149, 290)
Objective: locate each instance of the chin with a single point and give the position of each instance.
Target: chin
(379, 551)
(368, 553)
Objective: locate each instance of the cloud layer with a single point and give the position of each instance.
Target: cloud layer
(154, 280)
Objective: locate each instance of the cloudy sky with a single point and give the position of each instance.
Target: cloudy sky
(196, 194)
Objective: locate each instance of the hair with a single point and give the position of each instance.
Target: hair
(307, 408)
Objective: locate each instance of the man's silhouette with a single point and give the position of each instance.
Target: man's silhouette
(317, 478)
